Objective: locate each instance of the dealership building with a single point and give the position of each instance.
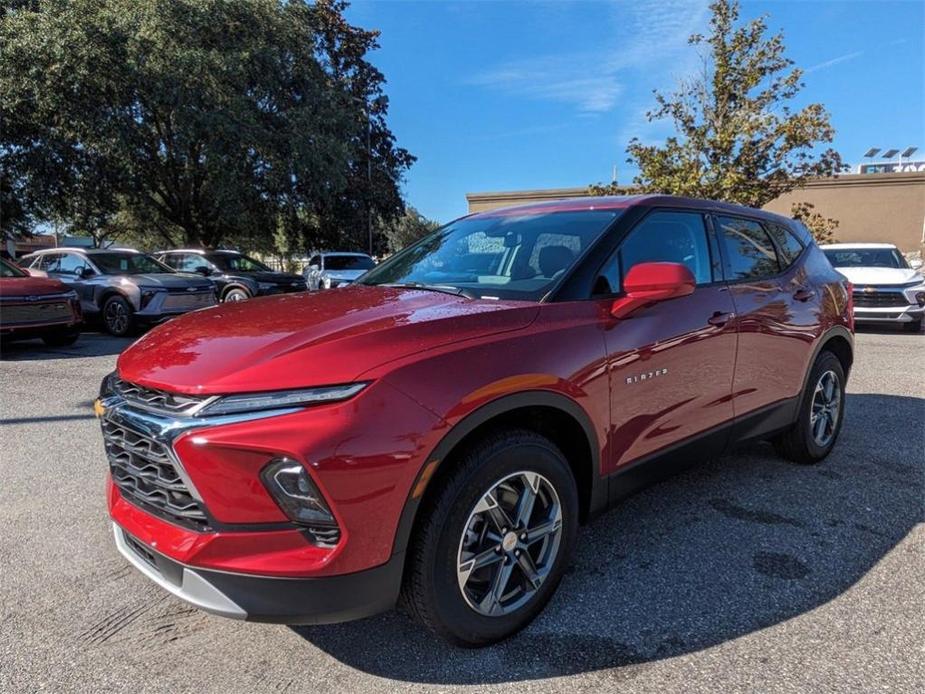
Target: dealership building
(883, 203)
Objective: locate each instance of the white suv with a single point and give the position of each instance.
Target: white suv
(886, 289)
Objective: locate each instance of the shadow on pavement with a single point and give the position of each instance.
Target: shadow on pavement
(728, 548)
(87, 345)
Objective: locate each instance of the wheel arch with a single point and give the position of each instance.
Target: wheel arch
(106, 292)
(555, 416)
(840, 342)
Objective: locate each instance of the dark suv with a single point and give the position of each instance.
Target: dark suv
(123, 287)
(440, 428)
(237, 276)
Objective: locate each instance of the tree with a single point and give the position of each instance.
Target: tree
(408, 228)
(206, 121)
(738, 139)
(822, 228)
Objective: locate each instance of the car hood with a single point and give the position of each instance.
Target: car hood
(301, 340)
(344, 274)
(879, 275)
(30, 286)
(171, 280)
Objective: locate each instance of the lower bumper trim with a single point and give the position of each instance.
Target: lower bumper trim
(324, 600)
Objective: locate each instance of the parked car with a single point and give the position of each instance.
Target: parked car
(124, 287)
(236, 276)
(37, 307)
(441, 428)
(886, 289)
(332, 270)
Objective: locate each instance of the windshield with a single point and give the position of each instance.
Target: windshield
(229, 262)
(10, 270)
(348, 262)
(497, 255)
(865, 257)
(127, 263)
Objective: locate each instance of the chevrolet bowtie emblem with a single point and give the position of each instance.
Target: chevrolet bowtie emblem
(869, 290)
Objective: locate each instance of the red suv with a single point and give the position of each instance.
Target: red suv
(437, 432)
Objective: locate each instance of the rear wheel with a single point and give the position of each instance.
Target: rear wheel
(822, 408)
(494, 540)
(118, 317)
(61, 339)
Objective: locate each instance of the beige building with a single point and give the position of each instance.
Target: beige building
(882, 207)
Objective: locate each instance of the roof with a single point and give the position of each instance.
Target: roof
(324, 253)
(85, 251)
(856, 245)
(622, 202)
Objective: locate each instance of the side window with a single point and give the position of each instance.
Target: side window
(750, 255)
(50, 262)
(188, 262)
(672, 237)
(71, 264)
(788, 245)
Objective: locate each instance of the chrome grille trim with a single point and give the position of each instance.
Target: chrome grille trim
(160, 401)
(880, 299)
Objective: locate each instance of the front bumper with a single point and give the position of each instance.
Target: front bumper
(890, 314)
(265, 598)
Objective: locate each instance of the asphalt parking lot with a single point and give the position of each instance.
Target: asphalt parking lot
(745, 573)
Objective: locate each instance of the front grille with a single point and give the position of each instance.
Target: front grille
(189, 300)
(146, 475)
(49, 312)
(879, 299)
(157, 400)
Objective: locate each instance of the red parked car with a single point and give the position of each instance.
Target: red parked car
(37, 307)
(438, 431)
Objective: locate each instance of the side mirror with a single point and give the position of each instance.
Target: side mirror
(649, 283)
(204, 270)
(85, 272)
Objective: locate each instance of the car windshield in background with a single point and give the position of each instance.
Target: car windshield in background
(237, 263)
(865, 257)
(127, 263)
(348, 262)
(503, 256)
(8, 270)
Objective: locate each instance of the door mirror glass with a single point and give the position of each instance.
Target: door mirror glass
(649, 283)
(204, 270)
(85, 272)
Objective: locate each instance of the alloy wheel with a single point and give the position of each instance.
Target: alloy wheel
(509, 544)
(236, 295)
(116, 317)
(826, 408)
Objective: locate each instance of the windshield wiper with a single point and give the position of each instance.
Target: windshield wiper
(442, 288)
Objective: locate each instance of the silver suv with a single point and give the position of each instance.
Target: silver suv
(124, 287)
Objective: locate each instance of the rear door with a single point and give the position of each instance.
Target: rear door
(671, 364)
(776, 308)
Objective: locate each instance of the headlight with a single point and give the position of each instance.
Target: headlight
(292, 488)
(250, 402)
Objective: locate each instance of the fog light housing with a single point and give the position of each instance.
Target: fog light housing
(920, 298)
(293, 490)
(146, 296)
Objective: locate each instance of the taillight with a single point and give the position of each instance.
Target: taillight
(850, 289)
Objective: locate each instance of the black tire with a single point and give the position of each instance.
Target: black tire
(913, 327)
(799, 444)
(61, 339)
(235, 294)
(432, 592)
(118, 316)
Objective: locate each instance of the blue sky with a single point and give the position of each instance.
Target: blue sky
(513, 95)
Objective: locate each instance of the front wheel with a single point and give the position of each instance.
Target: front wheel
(494, 540)
(234, 295)
(118, 317)
(822, 409)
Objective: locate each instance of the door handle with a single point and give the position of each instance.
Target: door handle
(720, 319)
(804, 294)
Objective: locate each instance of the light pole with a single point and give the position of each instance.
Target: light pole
(367, 111)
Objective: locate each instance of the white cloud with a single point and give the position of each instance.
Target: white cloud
(649, 35)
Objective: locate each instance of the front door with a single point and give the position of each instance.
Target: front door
(671, 364)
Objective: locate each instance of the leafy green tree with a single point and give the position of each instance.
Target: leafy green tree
(204, 122)
(408, 228)
(739, 138)
(822, 228)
